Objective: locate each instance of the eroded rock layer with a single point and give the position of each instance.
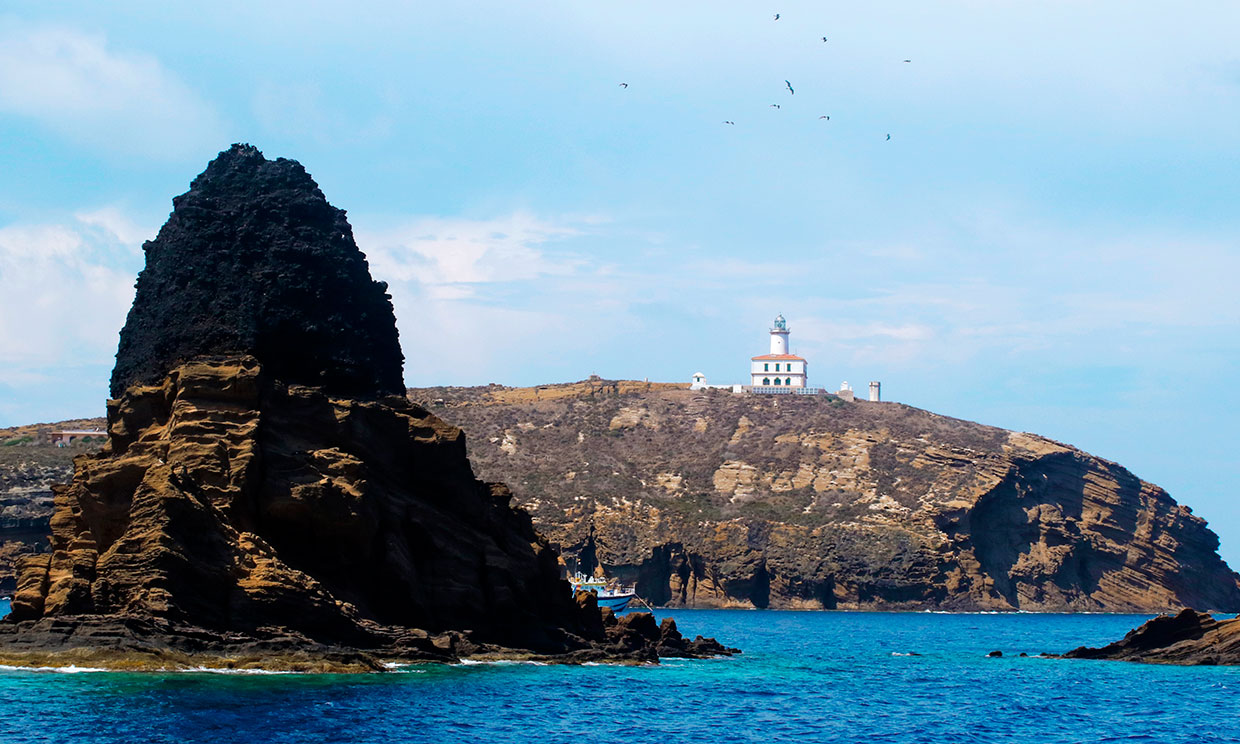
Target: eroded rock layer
(708, 499)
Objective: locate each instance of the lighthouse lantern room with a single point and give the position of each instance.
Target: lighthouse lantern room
(778, 368)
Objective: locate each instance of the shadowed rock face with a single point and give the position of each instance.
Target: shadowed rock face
(254, 260)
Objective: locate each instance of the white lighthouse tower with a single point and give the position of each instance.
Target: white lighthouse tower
(779, 368)
(779, 336)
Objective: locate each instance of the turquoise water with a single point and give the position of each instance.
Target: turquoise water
(805, 676)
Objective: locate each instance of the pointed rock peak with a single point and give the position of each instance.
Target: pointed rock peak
(254, 260)
(241, 169)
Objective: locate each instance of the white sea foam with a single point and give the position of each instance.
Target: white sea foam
(217, 670)
(404, 667)
(74, 669)
(71, 669)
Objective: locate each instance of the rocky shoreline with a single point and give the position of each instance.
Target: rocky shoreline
(144, 644)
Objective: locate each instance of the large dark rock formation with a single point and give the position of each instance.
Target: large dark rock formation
(259, 502)
(708, 499)
(254, 260)
(1189, 638)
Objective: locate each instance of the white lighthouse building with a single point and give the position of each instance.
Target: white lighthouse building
(779, 368)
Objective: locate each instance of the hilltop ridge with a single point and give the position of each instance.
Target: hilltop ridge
(711, 499)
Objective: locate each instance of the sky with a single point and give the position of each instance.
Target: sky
(1047, 242)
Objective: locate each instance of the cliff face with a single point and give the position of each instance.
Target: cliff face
(30, 465)
(708, 499)
(260, 495)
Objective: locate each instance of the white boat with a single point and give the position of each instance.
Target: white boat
(609, 593)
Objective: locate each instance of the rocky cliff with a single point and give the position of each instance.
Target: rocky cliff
(30, 465)
(262, 500)
(708, 499)
(25, 506)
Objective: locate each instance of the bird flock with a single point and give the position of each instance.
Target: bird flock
(791, 90)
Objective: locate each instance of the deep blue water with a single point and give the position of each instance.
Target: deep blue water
(805, 676)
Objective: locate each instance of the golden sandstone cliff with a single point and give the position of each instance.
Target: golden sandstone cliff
(708, 499)
(264, 499)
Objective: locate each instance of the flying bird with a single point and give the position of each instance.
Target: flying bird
(889, 136)
(908, 60)
(730, 122)
(824, 117)
(777, 16)
(774, 105)
(824, 39)
(624, 85)
(790, 90)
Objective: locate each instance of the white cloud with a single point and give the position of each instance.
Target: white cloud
(66, 290)
(483, 300)
(115, 223)
(98, 96)
(448, 255)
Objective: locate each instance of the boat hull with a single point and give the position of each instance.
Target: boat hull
(616, 604)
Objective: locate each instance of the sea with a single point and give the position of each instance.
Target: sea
(803, 676)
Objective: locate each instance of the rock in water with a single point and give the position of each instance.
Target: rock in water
(254, 260)
(1188, 638)
(260, 501)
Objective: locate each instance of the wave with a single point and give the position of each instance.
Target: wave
(405, 667)
(216, 670)
(71, 669)
(74, 669)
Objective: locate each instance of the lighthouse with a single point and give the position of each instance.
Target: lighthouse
(778, 368)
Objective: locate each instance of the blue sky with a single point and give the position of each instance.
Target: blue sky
(1048, 242)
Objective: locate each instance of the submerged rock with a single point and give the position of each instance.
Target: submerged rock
(1189, 638)
(260, 501)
